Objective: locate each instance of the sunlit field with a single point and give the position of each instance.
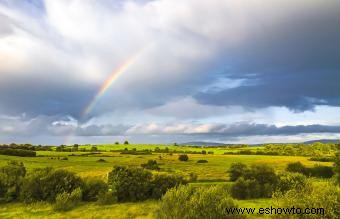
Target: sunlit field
(97, 161)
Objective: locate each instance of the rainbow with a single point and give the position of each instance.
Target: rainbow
(108, 82)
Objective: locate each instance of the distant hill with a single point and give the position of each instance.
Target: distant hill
(202, 143)
(323, 141)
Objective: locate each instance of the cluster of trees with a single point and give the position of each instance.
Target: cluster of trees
(196, 202)
(316, 171)
(65, 189)
(316, 150)
(17, 152)
(257, 181)
(26, 147)
(137, 184)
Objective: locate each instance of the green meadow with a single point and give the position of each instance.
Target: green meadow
(97, 162)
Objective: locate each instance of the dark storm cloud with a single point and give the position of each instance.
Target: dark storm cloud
(295, 62)
(43, 97)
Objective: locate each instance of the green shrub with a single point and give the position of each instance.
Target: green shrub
(66, 201)
(297, 167)
(196, 203)
(11, 179)
(44, 184)
(151, 165)
(107, 198)
(92, 188)
(259, 181)
(237, 170)
(183, 157)
(312, 195)
(17, 152)
(130, 184)
(290, 181)
(337, 167)
(322, 171)
(202, 161)
(161, 183)
(137, 184)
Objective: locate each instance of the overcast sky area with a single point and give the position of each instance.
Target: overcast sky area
(245, 71)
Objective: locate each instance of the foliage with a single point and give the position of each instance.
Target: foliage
(202, 161)
(161, 183)
(107, 198)
(92, 188)
(237, 170)
(66, 201)
(136, 184)
(151, 165)
(183, 157)
(316, 171)
(290, 181)
(130, 184)
(188, 202)
(258, 181)
(312, 195)
(17, 152)
(46, 183)
(337, 167)
(11, 179)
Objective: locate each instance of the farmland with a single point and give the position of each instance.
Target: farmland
(96, 161)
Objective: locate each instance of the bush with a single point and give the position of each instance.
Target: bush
(183, 157)
(257, 182)
(92, 188)
(44, 184)
(17, 152)
(237, 170)
(290, 181)
(151, 165)
(189, 202)
(161, 183)
(107, 198)
(202, 161)
(67, 201)
(136, 184)
(337, 167)
(11, 179)
(316, 171)
(317, 195)
(101, 160)
(297, 167)
(130, 184)
(322, 171)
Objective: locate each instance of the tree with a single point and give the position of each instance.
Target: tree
(130, 184)
(151, 165)
(46, 183)
(183, 157)
(297, 167)
(126, 142)
(313, 195)
(237, 170)
(92, 188)
(201, 202)
(11, 179)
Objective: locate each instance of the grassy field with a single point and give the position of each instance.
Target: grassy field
(87, 165)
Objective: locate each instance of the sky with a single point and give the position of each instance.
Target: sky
(165, 71)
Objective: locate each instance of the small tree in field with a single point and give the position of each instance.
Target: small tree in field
(237, 170)
(183, 157)
(126, 142)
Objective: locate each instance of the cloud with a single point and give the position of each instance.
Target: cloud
(221, 63)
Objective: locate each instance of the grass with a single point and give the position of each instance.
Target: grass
(85, 210)
(213, 172)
